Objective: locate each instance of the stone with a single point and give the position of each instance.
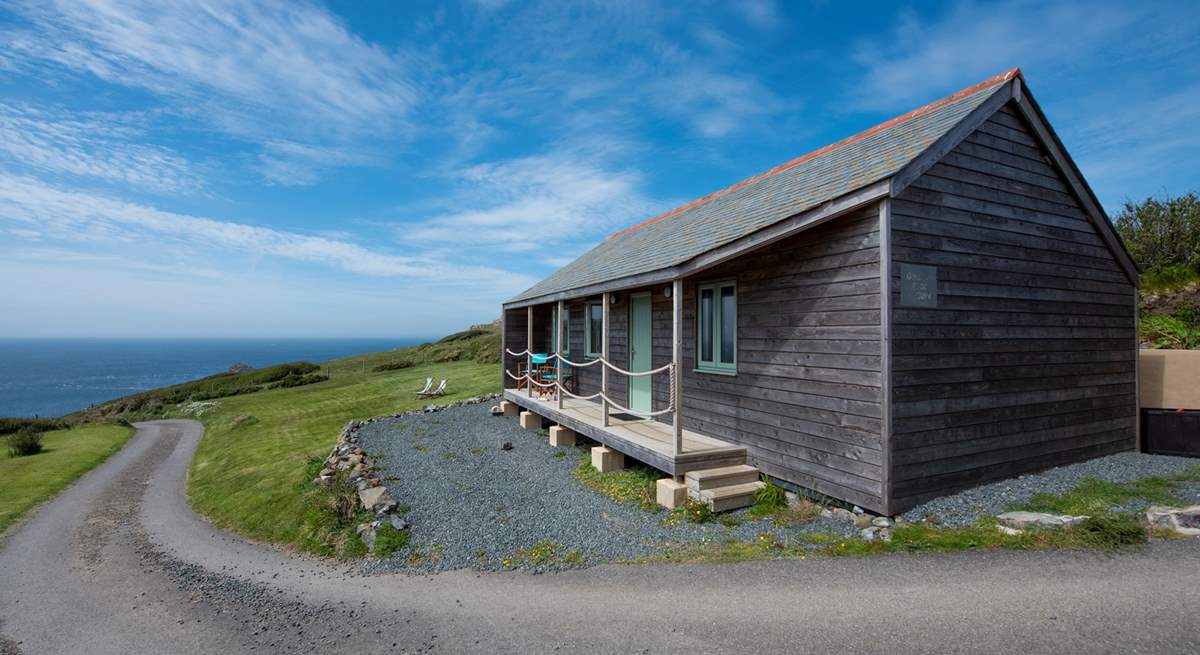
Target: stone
(1180, 520)
(856, 509)
(881, 522)
(670, 493)
(869, 534)
(606, 460)
(531, 421)
(377, 500)
(884, 534)
(842, 514)
(366, 532)
(827, 514)
(1036, 520)
(507, 445)
(862, 520)
(562, 437)
(510, 408)
(495, 410)
(398, 522)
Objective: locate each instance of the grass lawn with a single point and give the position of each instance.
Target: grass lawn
(66, 455)
(249, 473)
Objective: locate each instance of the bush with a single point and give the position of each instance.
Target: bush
(9, 425)
(298, 381)
(393, 366)
(26, 441)
(1180, 329)
(1162, 233)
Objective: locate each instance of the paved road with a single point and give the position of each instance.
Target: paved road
(119, 564)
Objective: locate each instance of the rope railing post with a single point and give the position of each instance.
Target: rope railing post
(558, 350)
(529, 350)
(604, 355)
(676, 358)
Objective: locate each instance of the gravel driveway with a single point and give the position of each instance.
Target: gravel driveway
(473, 505)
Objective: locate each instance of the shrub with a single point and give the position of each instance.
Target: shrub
(1179, 329)
(9, 425)
(1162, 232)
(394, 366)
(297, 380)
(26, 441)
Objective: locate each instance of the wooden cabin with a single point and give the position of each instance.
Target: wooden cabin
(937, 302)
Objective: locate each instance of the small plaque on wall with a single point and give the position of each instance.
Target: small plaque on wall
(918, 285)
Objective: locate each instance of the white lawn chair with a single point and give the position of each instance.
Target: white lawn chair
(425, 390)
(440, 391)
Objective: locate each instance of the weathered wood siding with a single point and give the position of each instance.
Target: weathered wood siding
(806, 398)
(1027, 361)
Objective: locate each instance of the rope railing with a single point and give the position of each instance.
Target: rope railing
(598, 360)
(527, 377)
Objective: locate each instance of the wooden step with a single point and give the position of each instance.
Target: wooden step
(735, 496)
(721, 477)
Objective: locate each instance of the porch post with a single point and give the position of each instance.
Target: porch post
(607, 298)
(677, 360)
(528, 350)
(558, 341)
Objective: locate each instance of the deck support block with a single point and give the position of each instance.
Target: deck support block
(607, 460)
(670, 492)
(531, 421)
(510, 408)
(562, 437)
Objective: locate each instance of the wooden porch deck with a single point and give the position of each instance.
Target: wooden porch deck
(649, 441)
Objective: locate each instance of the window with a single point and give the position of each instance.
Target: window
(566, 330)
(595, 329)
(716, 329)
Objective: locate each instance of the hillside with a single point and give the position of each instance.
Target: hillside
(250, 472)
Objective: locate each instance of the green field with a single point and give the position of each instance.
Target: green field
(28, 481)
(249, 473)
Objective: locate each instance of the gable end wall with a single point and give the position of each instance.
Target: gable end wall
(1028, 359)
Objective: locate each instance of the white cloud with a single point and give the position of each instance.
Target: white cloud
(537, 203)
(715, 104)
(95, 145)
(80, 216)
(920, 59)
(264, 72)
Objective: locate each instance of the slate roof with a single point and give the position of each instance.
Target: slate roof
(710, 222)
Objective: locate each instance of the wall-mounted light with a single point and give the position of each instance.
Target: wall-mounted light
(612, 298)
(667, 292)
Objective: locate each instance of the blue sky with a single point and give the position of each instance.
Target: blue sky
(400, 168)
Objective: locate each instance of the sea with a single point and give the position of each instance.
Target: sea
(52, 377)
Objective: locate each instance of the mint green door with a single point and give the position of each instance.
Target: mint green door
(639, 351)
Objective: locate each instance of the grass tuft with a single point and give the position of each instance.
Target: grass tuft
(633, 484)
(769, 500)
(389, 540)
(544, 553)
